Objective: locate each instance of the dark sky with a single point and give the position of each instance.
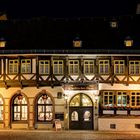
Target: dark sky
(67, 8)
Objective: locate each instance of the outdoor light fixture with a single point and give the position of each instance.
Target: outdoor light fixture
(2, 42)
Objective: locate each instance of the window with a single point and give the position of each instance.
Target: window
(88, 66)
(134, 67)
(13, 66)
(104, 66)
(44, 67)
(128, 42)
(1, 109)
(135, 99)
(121, 99)
(108, 98)
(73, 66)
(114, 24)
(44, 108)
(20, 108)
(25, 66)
(119, 66)
(58, 67)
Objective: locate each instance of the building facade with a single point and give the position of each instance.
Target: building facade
(84, 72)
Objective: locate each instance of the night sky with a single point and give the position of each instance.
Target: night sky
(67, 8)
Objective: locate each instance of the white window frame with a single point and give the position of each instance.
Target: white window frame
(74, 67)
(45, 66)
(134, 65)
(25, 63)
(104, 64)
(58, 66)
(119, 66)
(89, 67)
(13, 66)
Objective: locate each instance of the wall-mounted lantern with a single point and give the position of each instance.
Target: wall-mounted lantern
(128, 42)
(77, 42)
(2, 42)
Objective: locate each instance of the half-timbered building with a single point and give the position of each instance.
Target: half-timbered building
(85, 72)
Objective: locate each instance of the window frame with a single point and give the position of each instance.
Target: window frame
(122, 94)
(134, 65)
(58, 65)
(26, 67)
(13, 65)
(73, 67)
(89, 67)
(104, 67)
(20, 106)
(45, 105)
(44, 66)
(119, 67)
(135, 94)
(108, 98)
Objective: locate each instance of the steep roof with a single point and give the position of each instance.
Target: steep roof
(51, 34)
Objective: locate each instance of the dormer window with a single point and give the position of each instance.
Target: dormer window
(128, 42)
(77, 42)
(113, 24)
(2, 42)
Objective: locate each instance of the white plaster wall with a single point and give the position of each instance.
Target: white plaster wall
(119, 87)
(122, 124)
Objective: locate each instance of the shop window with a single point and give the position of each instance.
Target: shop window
(108, 99)
(44, 108)
(121, 99)
(135, 99)
(20, 109)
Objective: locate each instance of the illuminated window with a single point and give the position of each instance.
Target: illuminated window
(73, 66)
(20, 108)
(135, 99)
(25, 66)
(108, 98)
(128, 42)
(74, 116)
(2, 42)
(44, 108)
(77, 42)
(114, 24)
(134, 67)
(121, 99)
(44, 67)
(58, 67)
(119, 67)
(1, 109)
(104, 66)
(13, 66)
(88, 66)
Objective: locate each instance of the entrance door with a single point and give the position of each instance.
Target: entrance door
(81, 113)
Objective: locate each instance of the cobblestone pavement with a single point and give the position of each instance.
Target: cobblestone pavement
(66, 135)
